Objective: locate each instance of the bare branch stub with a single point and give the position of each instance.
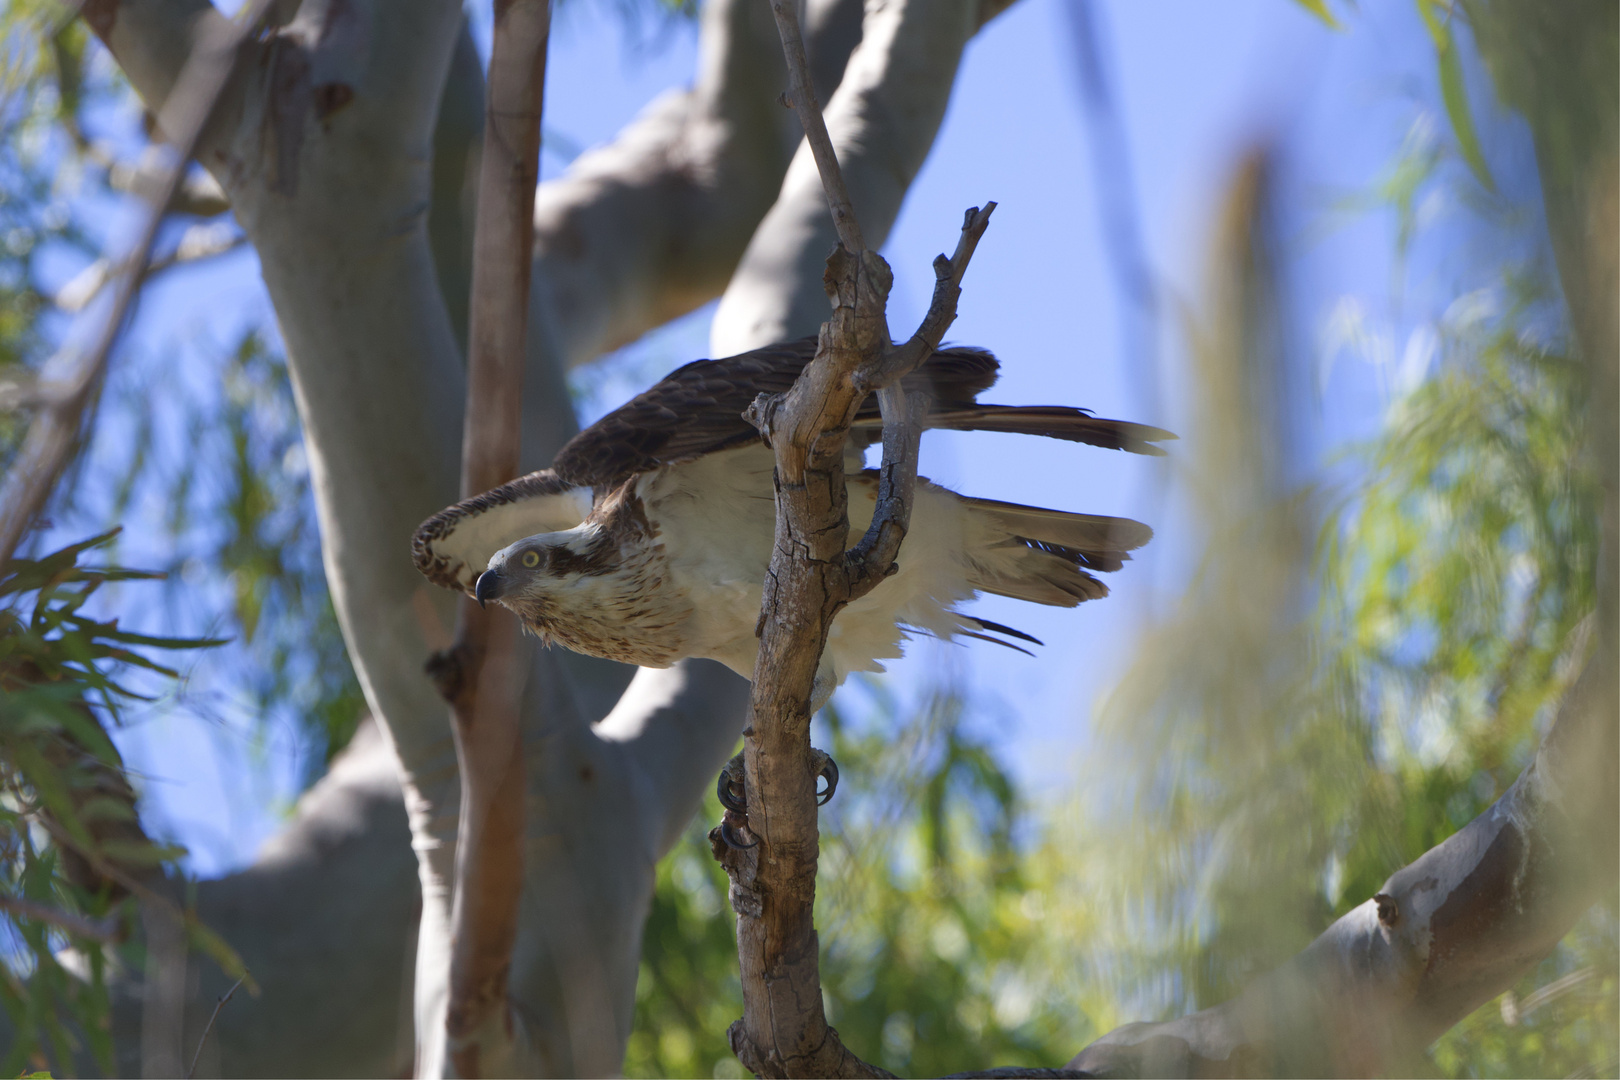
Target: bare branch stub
(482, 673)
(802, 97)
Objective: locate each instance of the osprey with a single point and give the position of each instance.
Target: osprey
(648, 538)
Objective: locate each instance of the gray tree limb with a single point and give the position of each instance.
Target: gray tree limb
(651, 225)
(883, 118)
(1443, 936)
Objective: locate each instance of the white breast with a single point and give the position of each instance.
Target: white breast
(718, 546)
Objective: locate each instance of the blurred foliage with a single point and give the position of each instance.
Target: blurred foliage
(933, 927)
(242, 557)
(241, 522)
(1314, 716)
(1437, 17)
(41, 62)
(242, 534)
(69, 840)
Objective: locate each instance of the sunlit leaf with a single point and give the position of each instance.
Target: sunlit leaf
(1319, 8)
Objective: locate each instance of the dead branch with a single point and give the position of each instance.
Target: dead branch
(54, 434)
(486, 671)
(802, 96)
(202, 1042)
(812, 575)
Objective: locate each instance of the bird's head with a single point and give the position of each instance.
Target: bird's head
(539, 573)
(592, 590)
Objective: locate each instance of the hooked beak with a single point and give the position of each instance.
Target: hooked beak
(488, 587)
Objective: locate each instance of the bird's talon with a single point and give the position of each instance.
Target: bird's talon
(829, 772)
(729, 787)
(729, 835)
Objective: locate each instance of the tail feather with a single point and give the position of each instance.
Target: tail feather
(994, 641)
(998, 628)
(1053, 422)
(1046, 556)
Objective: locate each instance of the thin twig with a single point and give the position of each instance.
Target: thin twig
(204, 1040)
(196, 243)
(54, 434)
(802, 96)
(105, 930)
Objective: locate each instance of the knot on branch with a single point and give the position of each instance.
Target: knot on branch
(1389, 912)
(747, 1053)
(761, 413)
(858, 283)
(447, 671)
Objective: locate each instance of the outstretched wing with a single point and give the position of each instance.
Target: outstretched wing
(453, 547)
(698, 408)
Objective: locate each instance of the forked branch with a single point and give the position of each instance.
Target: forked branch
(813, 575)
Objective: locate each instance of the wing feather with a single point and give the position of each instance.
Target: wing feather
(453, 547)
(698, 408)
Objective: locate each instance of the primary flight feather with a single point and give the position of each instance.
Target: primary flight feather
(647, 539)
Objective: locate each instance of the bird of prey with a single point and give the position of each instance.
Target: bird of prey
(648, 538)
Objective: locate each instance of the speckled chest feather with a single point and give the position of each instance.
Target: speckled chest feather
(608, 592)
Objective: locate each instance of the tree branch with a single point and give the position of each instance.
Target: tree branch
(106, 930)
(784, 1030)
(651, 225)
(1443, 936)
(486, 697)
(882, 119)
(802, 98)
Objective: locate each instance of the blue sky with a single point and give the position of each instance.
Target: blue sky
(1197, 84)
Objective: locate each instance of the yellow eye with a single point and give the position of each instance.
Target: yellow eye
(531, 559)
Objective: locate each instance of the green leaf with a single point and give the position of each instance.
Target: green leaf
(222, 954)
(1437, 30)
(136, 853)
(1319, 8)
(1455, 93)
(1462, 120)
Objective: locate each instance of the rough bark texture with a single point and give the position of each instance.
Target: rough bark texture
(346, 147)
(784, 1030)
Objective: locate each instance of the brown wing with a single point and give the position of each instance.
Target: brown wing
(698, 408)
